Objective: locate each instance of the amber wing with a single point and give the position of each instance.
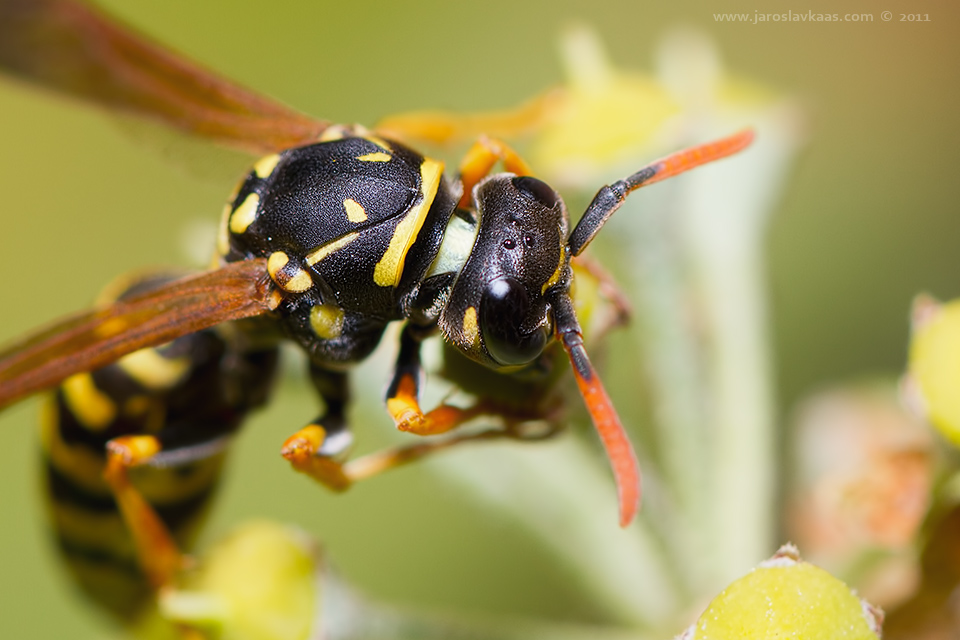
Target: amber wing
(96, 338)
(74, 49)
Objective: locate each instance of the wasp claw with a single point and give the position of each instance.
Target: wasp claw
(411, 421)
(303, 444)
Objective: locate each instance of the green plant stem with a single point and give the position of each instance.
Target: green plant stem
(724, 238)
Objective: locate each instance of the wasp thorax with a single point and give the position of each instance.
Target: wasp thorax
(497, 312)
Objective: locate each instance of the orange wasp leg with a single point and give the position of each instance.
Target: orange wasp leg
(444, 127)
(303, 448)
(376, 463)
(318, 449)
(403, 403)
(480, 159)
(157, 552)
(585, 265)
(404, 408)
(303, 451)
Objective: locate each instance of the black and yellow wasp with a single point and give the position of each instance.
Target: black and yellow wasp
(334, 233)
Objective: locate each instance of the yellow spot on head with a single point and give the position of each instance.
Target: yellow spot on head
(376, 156)
(325, 250)
(245, 214)
(470, 329)
(265, 166)
(355, 211)
(555, 278)
(93, 408)
(326, 320)
(390, 267)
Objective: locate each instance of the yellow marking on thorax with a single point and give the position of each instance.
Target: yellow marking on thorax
(293, 279)
(470, 328)
(325, 250)
(223, 231)
(390, 267)
(245, 214)
(152, 370)
(375, 156)
(326, 320)
(93, 408)
(335, 132)
(223, 235)
(300, 282)
(277, 260)
(355, 211)
(265, 166)
(377, 140)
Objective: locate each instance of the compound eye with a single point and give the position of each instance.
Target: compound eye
(537, 190)
(503, 308)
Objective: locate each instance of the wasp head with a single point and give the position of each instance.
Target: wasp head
(498, 313)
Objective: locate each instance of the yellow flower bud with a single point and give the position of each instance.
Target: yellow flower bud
(786, 598)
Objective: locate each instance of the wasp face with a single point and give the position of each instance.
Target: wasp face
(497, 313)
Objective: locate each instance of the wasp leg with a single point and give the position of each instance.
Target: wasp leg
(403, 403)
(443, 127)
(375, 463)
(609, 289)
(157, 552)
(318, 448)
(480, 159)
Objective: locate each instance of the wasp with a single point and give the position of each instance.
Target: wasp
(334, 234)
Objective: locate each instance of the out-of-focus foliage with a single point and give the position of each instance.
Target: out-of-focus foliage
(864, 472)
(935, 364)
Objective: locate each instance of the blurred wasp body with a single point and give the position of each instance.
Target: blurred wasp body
(335, 233)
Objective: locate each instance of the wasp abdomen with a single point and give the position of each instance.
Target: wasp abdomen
(191, 394)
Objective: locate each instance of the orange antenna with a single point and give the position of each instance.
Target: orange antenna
(609, 198)
(623, 461)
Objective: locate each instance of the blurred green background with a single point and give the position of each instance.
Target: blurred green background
(868, 219)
